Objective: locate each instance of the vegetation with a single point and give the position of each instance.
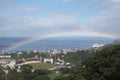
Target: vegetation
(105, 65)
(100, 65)
(77, 57)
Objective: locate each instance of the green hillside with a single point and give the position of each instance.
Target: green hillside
(105, 65)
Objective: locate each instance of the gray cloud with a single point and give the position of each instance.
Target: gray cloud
(115, 1)
(34, 25)
(107, 21)
(26, 9)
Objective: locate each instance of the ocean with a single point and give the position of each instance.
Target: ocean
(54, 43)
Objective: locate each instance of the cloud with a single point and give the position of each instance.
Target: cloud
(35, 24)
(26, 9)
(105, 18)
(107, 21)
(115, 1)
(98, 5)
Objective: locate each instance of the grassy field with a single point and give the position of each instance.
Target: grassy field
(52, 75)
(42, 65)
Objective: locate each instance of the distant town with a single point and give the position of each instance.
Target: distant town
(15, 59)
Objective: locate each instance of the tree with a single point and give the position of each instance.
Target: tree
(43, 77)
(41, 72)
(26, 68)
(104, 66)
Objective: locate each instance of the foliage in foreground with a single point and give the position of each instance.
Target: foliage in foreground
(104, 66)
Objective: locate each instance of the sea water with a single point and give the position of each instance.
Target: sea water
(53, 43)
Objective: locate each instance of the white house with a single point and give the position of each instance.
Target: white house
(12, 64)
(48, 60)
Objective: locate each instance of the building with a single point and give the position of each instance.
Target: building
(48, 60)
(12, 64)
(5, 56)
(97, 45)
(27, 61)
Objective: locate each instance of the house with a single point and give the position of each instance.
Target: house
(12, 64)
(27, 61)
(48, 60)
(32, 60)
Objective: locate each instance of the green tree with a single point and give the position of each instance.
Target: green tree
(43, 77)
(26, 68)
(104, 66)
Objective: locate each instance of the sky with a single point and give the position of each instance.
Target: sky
(26, 18)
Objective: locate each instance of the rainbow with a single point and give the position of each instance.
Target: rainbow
(61, 34)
